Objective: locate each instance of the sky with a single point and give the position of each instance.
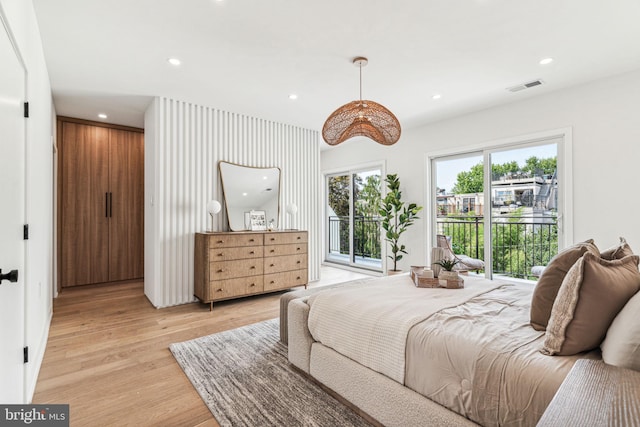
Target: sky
(447, 170)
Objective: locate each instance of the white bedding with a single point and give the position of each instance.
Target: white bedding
(374, 333)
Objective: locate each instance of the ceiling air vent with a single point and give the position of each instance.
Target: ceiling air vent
(523, 86)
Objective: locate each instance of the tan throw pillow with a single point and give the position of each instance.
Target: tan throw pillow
(618, 251)
(621, 347)
(547, 287)
(592, 294)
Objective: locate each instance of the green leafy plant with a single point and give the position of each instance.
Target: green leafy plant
(397, 216)
(447, 264)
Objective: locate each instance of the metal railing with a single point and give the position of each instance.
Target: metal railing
(366, 236)
(518, 242)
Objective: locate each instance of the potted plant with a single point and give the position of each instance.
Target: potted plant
(397, 216)
(447, 265)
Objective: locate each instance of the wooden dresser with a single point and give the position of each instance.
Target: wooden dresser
(235, 264)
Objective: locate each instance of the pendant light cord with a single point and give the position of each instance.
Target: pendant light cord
(360, 82)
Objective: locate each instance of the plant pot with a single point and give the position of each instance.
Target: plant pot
(393, 272)
(448, 275)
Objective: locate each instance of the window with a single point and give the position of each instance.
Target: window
(353, 234)
(523, 185)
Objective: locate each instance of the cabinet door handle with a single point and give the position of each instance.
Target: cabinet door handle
(106, 205)
(110, 205)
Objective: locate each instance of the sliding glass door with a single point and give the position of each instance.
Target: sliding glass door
(353, 224)
(501, 206)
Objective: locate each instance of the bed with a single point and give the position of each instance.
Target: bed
(415, 356)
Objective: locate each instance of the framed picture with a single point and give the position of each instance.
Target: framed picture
(258, 220)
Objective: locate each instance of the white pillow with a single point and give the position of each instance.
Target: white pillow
(621, 347)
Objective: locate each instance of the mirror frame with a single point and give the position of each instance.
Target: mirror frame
(224, 193)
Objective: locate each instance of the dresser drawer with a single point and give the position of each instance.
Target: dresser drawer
(237, 239)
(223, 289)
(279, 264)
(288, 279)
(242, 252)
(284, 238)
(278, 250)
(219, 270)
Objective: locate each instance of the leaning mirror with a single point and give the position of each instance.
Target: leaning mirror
(248, 189)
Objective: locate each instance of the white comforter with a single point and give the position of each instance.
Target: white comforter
(374, 333)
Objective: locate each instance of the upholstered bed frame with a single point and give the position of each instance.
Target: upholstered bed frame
(387, 401)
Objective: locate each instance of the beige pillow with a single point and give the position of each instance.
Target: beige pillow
(618, 251)
(547, 287)
(621, 347)
(592, 294)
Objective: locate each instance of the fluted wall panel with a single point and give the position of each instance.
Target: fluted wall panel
(183, 145)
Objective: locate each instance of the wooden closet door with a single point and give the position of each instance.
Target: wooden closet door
(126, 228)
(84, 221)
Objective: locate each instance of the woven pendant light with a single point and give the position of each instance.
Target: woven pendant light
(361, 118)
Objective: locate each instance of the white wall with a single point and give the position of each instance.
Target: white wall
(39, 186)
(604, 116)
(183, 145)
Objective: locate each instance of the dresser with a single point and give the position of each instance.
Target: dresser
(236, 264)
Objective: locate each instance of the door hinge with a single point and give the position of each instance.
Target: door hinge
(26, 109)
(25, 232)
(25, 351)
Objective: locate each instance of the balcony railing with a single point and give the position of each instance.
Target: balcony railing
(366, 236)
(518, 243)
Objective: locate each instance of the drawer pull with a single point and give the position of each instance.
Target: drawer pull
(219, 290)
(252, 240)
(253, 267)
(272, 265)
(272, 239)
(298, 278)
(272, 282)
(298, 262)
(252, 285)
(220, 241)
(297, 249)
(221, 270)
(220, 254)
(299, 237)
(252, 252)
(272, 250)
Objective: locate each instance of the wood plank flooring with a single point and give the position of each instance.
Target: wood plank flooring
(108, 353)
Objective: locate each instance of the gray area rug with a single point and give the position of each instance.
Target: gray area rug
(245, 379)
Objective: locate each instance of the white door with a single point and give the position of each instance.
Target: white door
(12, 209)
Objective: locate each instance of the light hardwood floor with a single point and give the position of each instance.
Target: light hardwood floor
(107, 355)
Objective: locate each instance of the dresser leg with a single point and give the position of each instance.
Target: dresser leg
(211, 306)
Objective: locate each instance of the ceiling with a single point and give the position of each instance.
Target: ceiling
(248, 56)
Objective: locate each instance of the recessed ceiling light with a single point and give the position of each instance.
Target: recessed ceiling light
(102, 115)
(173, 61)
(293, 96)
(436, 96)
(244, 194)
(546, 61)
